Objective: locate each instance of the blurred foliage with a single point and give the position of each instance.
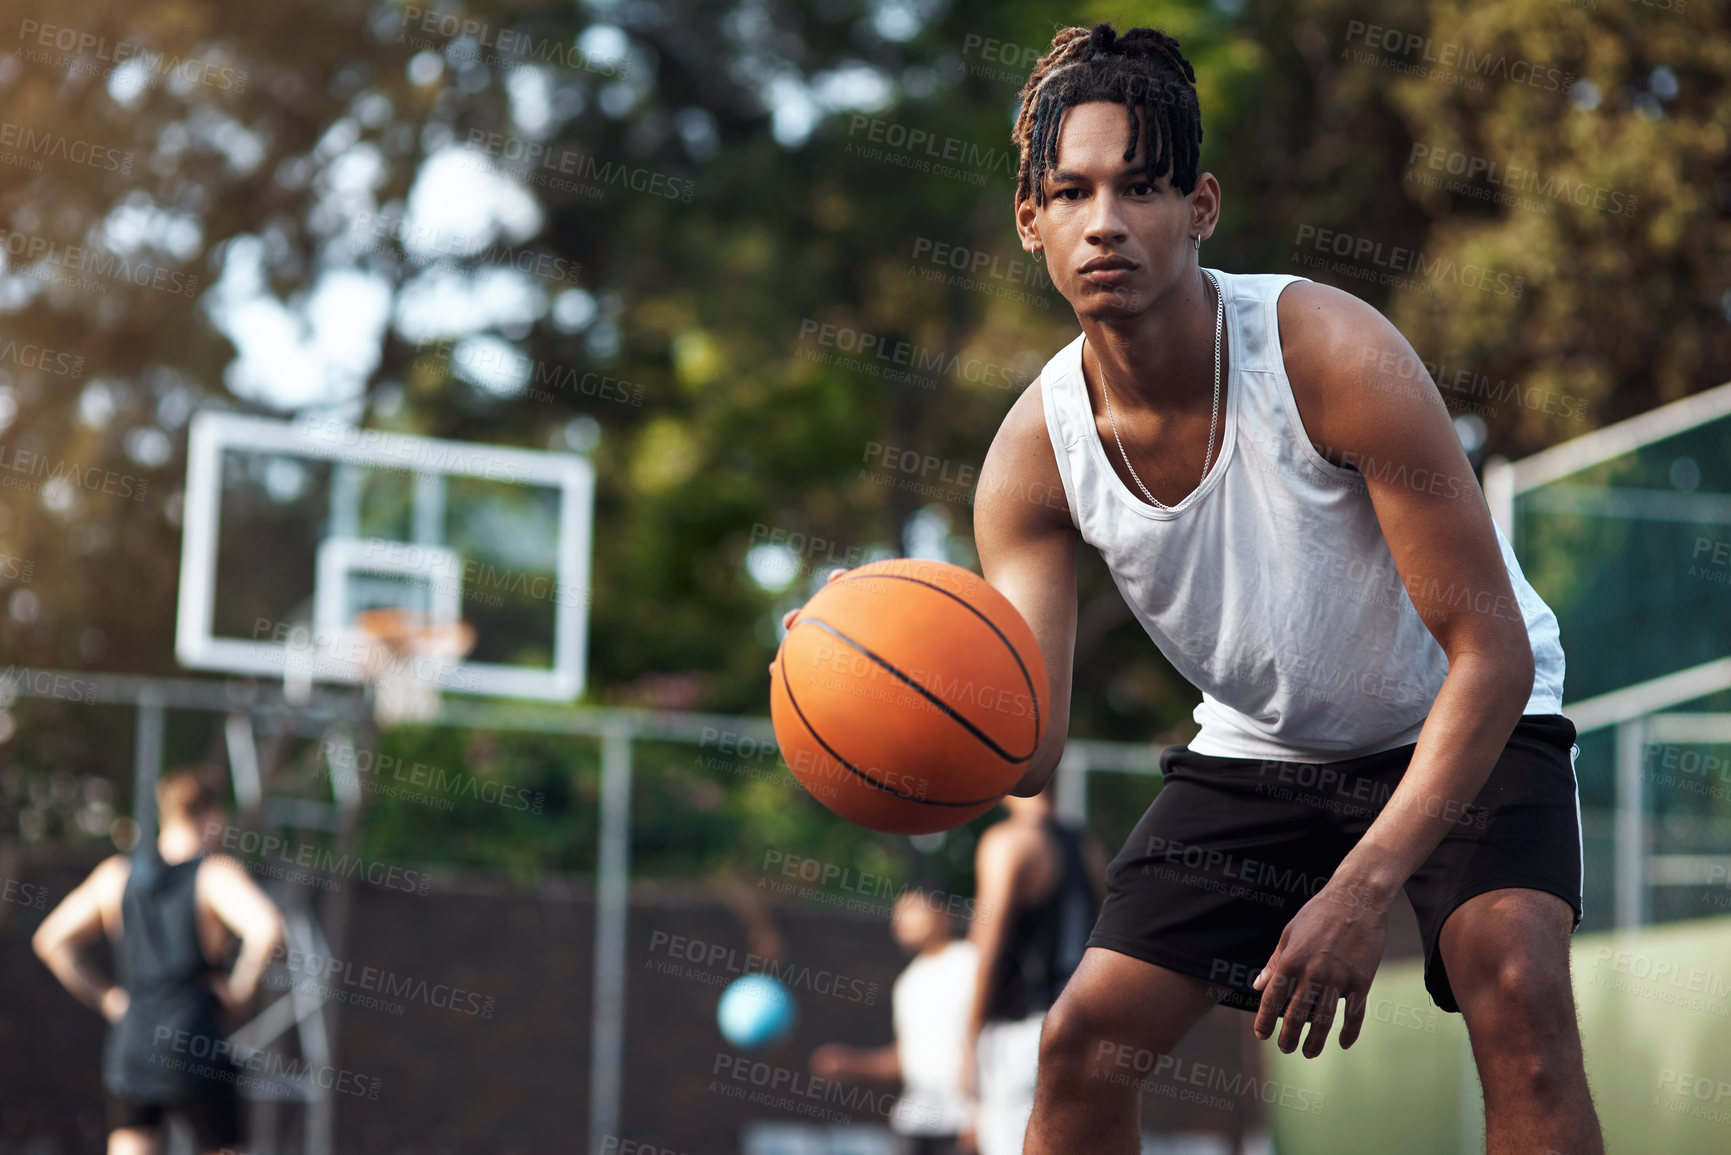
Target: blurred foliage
(701, 305)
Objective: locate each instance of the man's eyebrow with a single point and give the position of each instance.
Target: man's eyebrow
(1065, 174)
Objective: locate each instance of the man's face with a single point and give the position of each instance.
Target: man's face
(1100, 206)
(915, 924)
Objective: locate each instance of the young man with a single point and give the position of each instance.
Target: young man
(1037, 892)
(1304, 539)
(170, 910)
(929, 1003)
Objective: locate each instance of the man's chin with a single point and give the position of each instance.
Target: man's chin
(1110, 306)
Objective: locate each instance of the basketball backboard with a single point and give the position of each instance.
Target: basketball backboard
(293, 529)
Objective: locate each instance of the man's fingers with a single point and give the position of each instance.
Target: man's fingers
(1321, 1020)
(1275, 991)
(788, 618)
(1267, 973)
(1355, 1006)
(1297, 1014)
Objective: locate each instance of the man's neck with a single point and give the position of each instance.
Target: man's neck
(178, 842)
(1163, 357)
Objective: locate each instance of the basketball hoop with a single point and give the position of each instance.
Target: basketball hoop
(404, 654)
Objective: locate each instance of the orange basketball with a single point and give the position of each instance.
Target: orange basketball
(909, 696)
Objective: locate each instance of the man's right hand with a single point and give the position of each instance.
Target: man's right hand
(114, 1004)
(832, 1061)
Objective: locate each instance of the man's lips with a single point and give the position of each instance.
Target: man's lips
(1107, 270)
(1100, 264)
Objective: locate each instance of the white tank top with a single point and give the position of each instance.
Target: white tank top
(1270, 586)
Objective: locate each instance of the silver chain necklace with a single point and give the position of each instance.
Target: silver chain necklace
(1214, 418)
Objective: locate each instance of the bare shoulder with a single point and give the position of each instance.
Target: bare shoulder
(1022, 439)
(107, 885)
(222, 869)
(1007, 844)
(110, 875)
(226, 888)
(1319, 325)
(1350, 368)
(223, 880)
(1020, 487)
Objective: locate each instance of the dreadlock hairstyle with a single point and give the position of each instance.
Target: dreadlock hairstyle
(1141, 69)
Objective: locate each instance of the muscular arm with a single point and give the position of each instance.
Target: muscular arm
(1398, 435)
(62, 941)
(227, 891)
(1027, 548)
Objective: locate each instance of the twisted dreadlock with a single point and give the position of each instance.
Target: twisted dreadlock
(1141, 69)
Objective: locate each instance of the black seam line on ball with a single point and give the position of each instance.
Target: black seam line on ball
(923, 692)
(1033, 695)
(861, 774)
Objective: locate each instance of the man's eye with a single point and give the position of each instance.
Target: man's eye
(1064, 193)
(1142, 188)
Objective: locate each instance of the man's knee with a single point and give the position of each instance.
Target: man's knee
(1520, 1012)
(1076, 1044)
(1517, 990)
(1066, 1034)
(1510, 968)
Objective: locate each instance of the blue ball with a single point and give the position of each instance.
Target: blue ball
(755, 1011)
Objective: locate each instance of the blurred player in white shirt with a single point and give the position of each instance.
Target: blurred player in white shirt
(930, 1004)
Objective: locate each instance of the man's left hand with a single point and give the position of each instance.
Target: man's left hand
(1328, 952)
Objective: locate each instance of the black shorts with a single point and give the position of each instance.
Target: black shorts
(212, 1111)
(1233, 847)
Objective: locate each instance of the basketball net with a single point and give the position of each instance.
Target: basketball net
(404, 654)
